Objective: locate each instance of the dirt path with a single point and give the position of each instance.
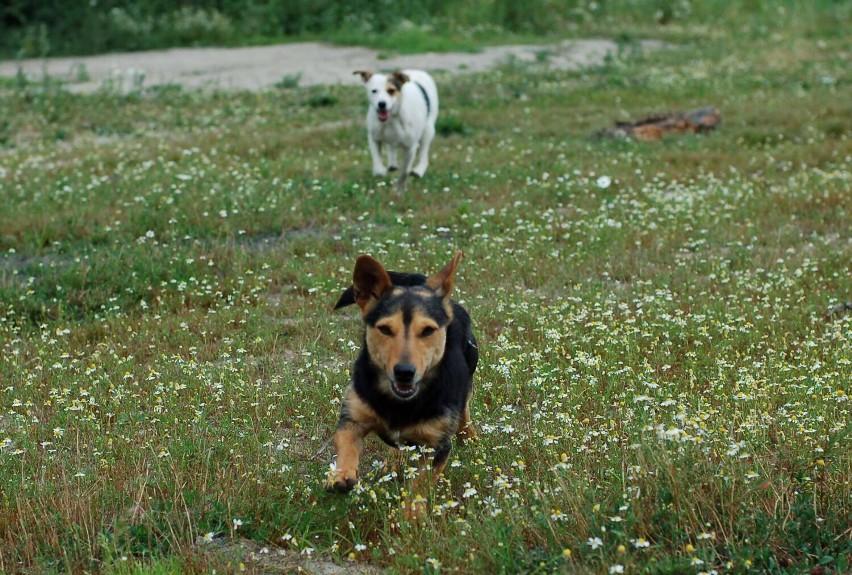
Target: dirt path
(260, 67)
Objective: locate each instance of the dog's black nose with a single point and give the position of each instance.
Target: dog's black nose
(404, 372)
(383, 105)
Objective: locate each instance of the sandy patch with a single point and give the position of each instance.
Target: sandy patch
(272, 560)
(259, 67)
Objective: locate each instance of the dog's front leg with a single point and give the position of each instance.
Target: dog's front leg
(376, 154)
(348, 443)
(392, 165)
(357, 419)
(442, 454)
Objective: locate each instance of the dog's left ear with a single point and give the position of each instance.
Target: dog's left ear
(370, 282)
(443, 281)
(404, 279)
(365, 74)
(400, 77)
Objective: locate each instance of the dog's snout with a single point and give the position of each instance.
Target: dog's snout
(404, 372)
(383, 105)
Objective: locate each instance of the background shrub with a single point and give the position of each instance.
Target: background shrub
(33, 28)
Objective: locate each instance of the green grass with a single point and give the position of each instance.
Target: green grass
(660, 369)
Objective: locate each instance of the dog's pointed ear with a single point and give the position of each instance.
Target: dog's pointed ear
(443, 281)
(346, 298)
(400, 77)
(365, 74)
(370, 282)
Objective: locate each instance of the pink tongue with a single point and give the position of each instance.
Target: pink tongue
(383, 115)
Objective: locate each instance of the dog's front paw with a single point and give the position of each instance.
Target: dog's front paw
(342, 481)
(392, 168)
(380, 172)
(342, 485)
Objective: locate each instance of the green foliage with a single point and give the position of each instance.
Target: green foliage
(289, 81)
(36, 28)
(322, 100)
(449, 125)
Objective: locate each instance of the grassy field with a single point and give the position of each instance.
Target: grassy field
(665, 359)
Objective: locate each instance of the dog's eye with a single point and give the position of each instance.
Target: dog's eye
(427, 331)
(375, 91)
(385, 330)
(391, 92)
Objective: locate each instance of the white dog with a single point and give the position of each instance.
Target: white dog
(402, 113)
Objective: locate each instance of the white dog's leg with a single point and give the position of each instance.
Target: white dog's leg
(408, 158)
(376, 153)
(392, 165)
(407, 163)
(426, 141)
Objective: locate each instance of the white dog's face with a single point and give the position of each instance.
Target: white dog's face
(383, 92)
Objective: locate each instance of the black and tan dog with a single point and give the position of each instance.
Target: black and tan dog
(412, 381)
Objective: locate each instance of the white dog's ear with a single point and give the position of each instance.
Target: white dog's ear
(365, 74)
(400, 77)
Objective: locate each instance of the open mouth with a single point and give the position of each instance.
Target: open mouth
(404, 390)
(383, 115)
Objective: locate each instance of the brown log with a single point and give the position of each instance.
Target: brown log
(655, 127)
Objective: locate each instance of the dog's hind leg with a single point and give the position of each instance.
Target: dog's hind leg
(466, 431)
(426, 141)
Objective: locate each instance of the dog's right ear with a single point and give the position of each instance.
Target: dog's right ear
(365, 75)
(370, 281)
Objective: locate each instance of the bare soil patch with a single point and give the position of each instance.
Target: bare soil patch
(273, 560)
(313, 63)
